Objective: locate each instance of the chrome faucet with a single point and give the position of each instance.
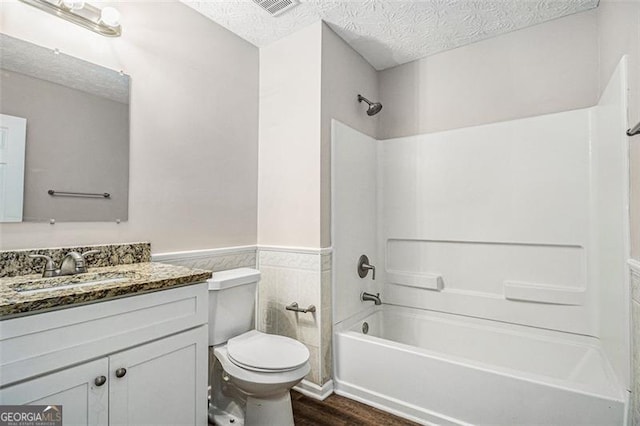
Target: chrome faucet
(73, 263)
(368, 297)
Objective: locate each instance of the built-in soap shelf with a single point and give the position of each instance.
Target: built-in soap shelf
(513, 290)
(423, 280)
(544, 293)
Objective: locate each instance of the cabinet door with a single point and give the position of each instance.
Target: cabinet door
(161, 383)
(83, 402)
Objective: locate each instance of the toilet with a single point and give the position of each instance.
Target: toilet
(252, 372)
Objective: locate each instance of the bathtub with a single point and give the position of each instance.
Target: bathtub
(445, 369)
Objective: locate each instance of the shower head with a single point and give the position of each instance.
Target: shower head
(374, 107)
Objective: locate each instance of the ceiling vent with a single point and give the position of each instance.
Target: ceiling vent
(276, 7)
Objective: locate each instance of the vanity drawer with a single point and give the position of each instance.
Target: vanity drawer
(40, 343)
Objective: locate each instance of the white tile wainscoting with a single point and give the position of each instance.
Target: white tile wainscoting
(289, 274)
(304, 276)
(215, 260)
(634, 267)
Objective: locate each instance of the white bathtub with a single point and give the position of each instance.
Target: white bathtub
(439, 368)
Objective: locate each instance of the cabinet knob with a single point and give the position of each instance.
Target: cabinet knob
(100, 380)
(120, 372)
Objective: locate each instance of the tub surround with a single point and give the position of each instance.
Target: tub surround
(18, 262)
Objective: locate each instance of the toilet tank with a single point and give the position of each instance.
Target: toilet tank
(232, 298)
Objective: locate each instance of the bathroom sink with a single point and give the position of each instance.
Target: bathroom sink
(40, 285)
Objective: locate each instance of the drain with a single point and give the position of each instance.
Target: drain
(365, 327)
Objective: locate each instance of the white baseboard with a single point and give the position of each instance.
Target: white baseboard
(314, 391)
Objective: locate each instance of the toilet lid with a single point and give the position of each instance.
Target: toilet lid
(266, 352)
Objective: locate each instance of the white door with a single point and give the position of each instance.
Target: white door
(13, 136)
(161, 383)
(83, 401)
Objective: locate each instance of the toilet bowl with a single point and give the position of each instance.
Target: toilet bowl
(253, 371)
(265, 380)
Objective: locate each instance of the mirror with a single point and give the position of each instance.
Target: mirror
(64, 137)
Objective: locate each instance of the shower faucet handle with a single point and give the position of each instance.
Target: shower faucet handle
(364, 267)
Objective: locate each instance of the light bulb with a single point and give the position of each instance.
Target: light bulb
(73, 4)
(110, 16)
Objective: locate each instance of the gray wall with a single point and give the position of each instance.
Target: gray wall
(194, 122)
(345, 74)
(542, 69)
(289, 172)
(76, 141)
(295, 131)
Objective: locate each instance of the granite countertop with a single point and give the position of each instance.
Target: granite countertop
(31, 294)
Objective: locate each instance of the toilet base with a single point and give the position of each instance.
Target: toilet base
(219, 417)
(262, 397)
(273, 410)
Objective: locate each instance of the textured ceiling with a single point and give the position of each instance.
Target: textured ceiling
(42, 63)
(391, 32)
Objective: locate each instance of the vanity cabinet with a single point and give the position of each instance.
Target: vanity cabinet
(83, 403)
(159, 382)
(132, 361)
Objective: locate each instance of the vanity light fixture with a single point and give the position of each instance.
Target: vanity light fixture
(102, 21)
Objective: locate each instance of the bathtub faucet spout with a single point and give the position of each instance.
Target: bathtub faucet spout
(375, 298)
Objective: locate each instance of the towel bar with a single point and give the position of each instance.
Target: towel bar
(634, 130)
(79, 194)
(294, 307)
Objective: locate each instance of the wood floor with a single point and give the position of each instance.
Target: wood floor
(337, 411)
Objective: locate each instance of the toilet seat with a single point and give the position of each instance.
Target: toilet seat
(266, 353)
(246, 376)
